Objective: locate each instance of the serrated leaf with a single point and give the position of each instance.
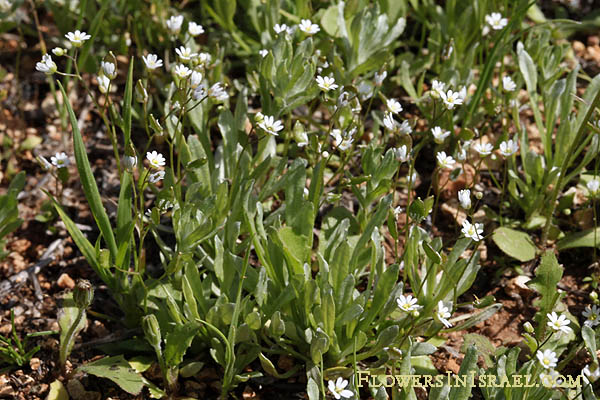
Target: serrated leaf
(514, 243)
(118, 370)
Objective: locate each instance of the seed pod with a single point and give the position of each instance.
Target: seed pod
(83, 294)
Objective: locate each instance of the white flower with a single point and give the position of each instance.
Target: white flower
(402, 153)
(592, 316)
(5, 6)
(326, 83)
(152, 61)
(156, 159)
(308, 27)
(407, 303)
(204, 58)
(442, 314)
(379, 78)
(157, 176)
(109, 69)
(338, 389)
(452, 99)
(46, 66)
(550, 379)
(405, 128)
(263, 53)
(558, 323)
(484, 149)
(182, 71)
(397, 211)
(195, 29)
(174, 24)
(217, 92)
(389, 122)
(437, 88)
(444, 161)
(195, 79)
(547, 358)
(593, 186)
(412, 179)
(60, 160)
(270, 125)
(185, 53)
(496, 21)
(508, 84)
(394, 106)
(462, 155)
(103, 83)
(590, 375)
(472, 231)
(509, 147)
(439, 134)
(464, 198)
(342, 141)
(281, 28)
(77, 38)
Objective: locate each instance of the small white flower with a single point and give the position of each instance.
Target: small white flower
(402, 154)
(442, 314)
(464, 198)
(77, 38)
(152, 61)
(593, 186)
(263, 53)
(589, 374)
(46, 66)
(308, 27)
(472, 231)
(270, 125)
(182, 71)
(452, 99)
(204, 58)
(461, 155)
(496, 21)
(558, 323)
(407, 303)
(185, 53)
(592, 315)
(342, 141)
(394, 106)
(405, 128)
(379, 78)
(389, 122)
(509, 147)
(156, 159)
(195, 79)
(174, 24)
(217, 92)
(109, 69)
(60, 160)
(157, 176)
(103, 83)
(484, 149)
(281, 28)
(412, 179)
(437, 88)
(444, 161)
(549, 378)
(195, 29)
(547, 358)
(508, 84)
(439, 134)
(326, 83)
(397, 211)
(338, 389)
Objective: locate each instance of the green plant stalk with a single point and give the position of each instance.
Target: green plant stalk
(560, 183)
(64, 347)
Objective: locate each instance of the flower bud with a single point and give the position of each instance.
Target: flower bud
(156, 126)
(479, 195)
(141, 95)
(152, 330)
(59, 51)
(415, 313)
(129, 162)
(83, 294)
(528, 327)
(594, 296)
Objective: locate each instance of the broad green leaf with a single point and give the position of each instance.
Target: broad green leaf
(587, 238)
(547, 276)
(514, 243)
(312, 389)
(118, 370)
(589, 338)
(468, 368)
(527, 67)
(57, 391)
(177, 342)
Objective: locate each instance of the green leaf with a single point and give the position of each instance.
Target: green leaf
(547, 276)
(127, 105)
(312, 389)
(118, 370)
(589, 338)
(468, 367)
(527, 67)
(67, 318)
(88, 182)
(485, 347)
(514, 243)
(57, 391)
(587, 238)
